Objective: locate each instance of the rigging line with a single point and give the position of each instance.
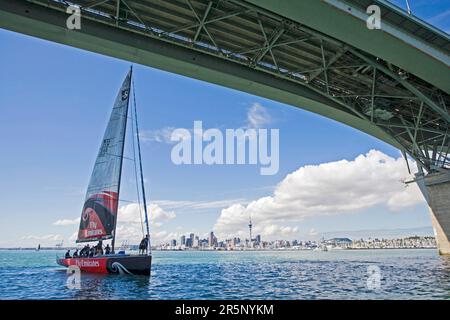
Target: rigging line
(149, 247)
(135, 169)
(127, 201)
(114, 155)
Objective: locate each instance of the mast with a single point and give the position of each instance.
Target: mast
(113, 241)
(144, 200)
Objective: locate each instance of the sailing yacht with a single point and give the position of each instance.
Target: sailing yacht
(99, 215)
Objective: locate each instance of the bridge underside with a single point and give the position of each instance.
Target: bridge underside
(242, 46)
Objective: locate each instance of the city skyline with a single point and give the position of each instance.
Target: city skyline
(212, 243)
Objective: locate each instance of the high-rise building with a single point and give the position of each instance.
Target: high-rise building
(173, 243)
(183, 240)
(203, 243)
(258, 239)
(188, 243)
(191, 239)
(196, 243)
(211, 239)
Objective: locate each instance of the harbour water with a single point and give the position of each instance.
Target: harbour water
(340, 274)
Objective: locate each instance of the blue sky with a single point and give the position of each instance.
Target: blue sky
(55, 104)
(435, 12)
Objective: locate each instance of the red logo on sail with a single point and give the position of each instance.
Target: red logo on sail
(98, 217)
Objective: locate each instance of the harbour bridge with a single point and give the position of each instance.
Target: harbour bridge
(391, 82)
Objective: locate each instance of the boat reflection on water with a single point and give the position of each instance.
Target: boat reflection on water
(92, 286)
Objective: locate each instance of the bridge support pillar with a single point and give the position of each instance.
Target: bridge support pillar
(436, 189)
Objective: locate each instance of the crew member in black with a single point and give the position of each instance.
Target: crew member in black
(68, 254)
(92, 252)
(99, 248)
(143, 245)
(85, 251)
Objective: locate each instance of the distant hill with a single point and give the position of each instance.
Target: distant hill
(381, 233)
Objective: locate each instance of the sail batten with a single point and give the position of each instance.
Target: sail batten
(99, 214)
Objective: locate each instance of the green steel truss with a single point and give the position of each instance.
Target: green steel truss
(413, 112)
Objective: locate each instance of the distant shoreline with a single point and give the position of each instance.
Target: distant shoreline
(221, 250)
(281, 250)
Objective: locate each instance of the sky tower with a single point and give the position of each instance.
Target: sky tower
(250, 229)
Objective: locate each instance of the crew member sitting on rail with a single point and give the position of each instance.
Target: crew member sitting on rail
(99, 248)
(68, 254)
(75, 254)
(85, 251)
(91, 252)
(107, 249)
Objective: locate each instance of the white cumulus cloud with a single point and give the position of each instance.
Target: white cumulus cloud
(167, 135)
(67, 222)
(257, 116)
(332, 188)
(130, 213)
(198, 205)
(161, 135)
(128, 223)
(44, 237)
